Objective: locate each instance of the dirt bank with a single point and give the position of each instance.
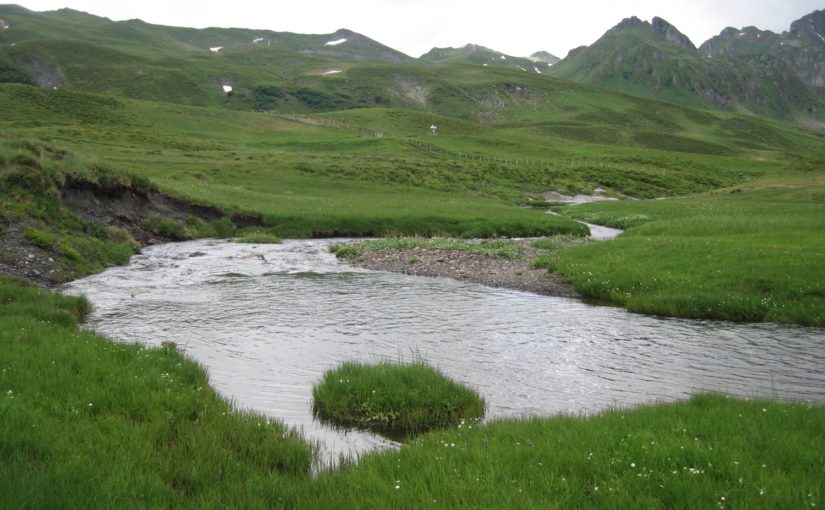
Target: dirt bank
(116, 205)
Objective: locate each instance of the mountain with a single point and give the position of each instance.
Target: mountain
(802, 48)
(544, 57)
(479, 55)
(748, 70)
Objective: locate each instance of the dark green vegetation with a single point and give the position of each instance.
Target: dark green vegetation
(87, 423)
(746, 70)
(394, 399)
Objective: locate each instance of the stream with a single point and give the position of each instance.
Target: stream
(267, 320)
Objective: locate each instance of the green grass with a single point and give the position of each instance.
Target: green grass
(87, 423)
(751, 254)
(394, 399)
(709, 452)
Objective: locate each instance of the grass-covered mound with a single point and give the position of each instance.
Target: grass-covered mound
(393, 398)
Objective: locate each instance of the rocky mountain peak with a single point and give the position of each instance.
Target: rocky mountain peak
(811, 26)
(670, 33)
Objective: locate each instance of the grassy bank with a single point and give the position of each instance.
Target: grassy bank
(748, 254)
(393, 399)
(710, 452)
(85, 423)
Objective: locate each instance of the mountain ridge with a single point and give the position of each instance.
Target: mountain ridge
(747, 70)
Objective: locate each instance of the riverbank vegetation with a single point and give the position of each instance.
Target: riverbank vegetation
(752, 253)
(394, 399)
(85, 422)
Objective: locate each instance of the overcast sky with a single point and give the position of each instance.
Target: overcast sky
(515, 27)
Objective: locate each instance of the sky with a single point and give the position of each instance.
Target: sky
(515, 27)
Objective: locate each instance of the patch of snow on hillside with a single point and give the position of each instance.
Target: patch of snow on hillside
(740, 34)
(817, 34)
(485, 65)
(333, 71)
(227, 88)
(257, 40)
(4, 24)
(335, 42)
(503, 57)
(215, 49)
(536, 69)
(523, 69)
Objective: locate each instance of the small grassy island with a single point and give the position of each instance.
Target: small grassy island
(394, 399)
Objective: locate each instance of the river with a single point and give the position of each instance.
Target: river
(267, 320)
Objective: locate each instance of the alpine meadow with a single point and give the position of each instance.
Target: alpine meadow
(120, 135)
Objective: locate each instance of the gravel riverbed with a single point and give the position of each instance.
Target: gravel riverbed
(490, 270)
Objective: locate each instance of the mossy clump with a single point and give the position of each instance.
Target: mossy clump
(394, 399)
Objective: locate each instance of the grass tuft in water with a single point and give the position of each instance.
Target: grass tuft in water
(259, 238)
(394, 399)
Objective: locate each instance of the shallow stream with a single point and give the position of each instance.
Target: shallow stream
(267, 320)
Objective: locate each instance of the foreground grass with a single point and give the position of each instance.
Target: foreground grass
(87, 423)
(752, 255)
(394, 399)
(709, 452)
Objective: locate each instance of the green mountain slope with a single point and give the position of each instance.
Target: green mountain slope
(731, 72)
(479, 55)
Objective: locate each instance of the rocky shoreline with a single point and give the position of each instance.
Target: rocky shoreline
(485, 269)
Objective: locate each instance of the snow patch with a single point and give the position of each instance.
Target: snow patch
(817, 34)
(215, 49)
(227, 88)
(335, 42)
(503, 57)
(485, 65)
(740, 34)
(332, 71)
(523, 69)
(257, 40)
(537, 70)
(4, 24)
